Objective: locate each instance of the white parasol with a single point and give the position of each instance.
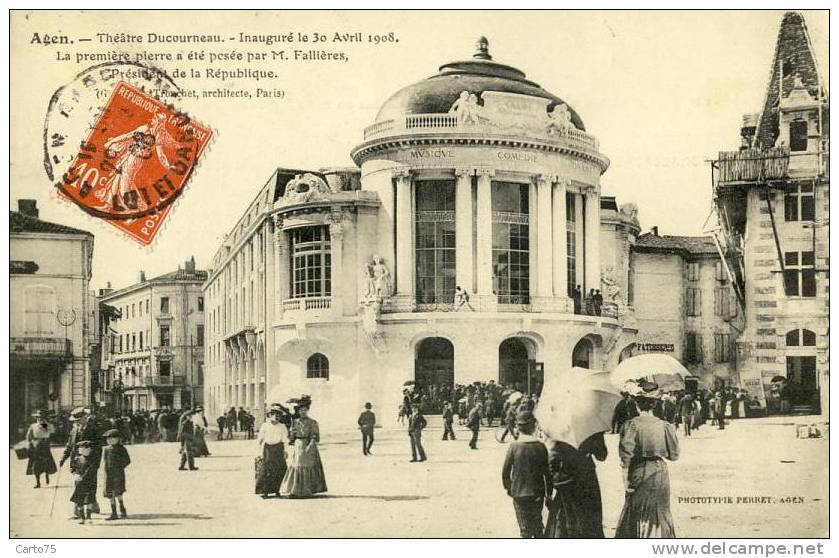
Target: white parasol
(576, 404)
(662, 369)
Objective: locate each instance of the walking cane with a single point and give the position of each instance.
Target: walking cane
(55, 493)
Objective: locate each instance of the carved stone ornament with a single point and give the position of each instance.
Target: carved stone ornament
(378, 285)
(629, 211)
(305, 188)
(558, 121)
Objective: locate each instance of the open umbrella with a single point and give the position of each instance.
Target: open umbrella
(514, 397)
(576, 404)
(778, 379)
(655, 367)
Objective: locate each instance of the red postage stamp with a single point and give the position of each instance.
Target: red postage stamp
(135, 162)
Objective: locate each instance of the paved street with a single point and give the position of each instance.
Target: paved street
(457, 493)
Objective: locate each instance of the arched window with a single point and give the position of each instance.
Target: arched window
(317, 367)
(800, 338)
(39, 310)
(582, 355)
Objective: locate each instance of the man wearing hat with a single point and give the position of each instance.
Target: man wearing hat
(86, 430)
(526, 476)
(186, 432)
(474, 424)
(415, 425)
(367, 422)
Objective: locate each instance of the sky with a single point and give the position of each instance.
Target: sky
(662, 91)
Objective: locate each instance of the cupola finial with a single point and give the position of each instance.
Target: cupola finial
(482, 49)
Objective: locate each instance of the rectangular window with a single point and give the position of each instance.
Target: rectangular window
(435, 241)
(799, 202)
(133, 341)
(693, 302)
(571, 240)
(164, 336)
(164, 367)
(720, 273)
(693, 348)
(39, 310)
(200, 303)
(798, 135)
(147, 306)
(693, 271)
(311, 274)
(724, 303)
(141, 340)
(722, 347)
(199, 336)
(511, 242)
(800, 274)
(164, 305)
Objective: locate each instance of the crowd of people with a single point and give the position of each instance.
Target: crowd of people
(462, 398)
(590, 303)
(688, 410)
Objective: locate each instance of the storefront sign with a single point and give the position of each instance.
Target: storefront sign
(17, 267)
(656, 347)
(523, 156)
(432, 153)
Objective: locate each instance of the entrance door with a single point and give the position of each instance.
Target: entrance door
(513, 364)
(434, 373)
(803, 384)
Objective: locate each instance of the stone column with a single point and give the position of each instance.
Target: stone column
(281, 266)
(484, 240)
(544, 253)
(463, 230)
(336, 248)
(560, 244)
(592, 233)
(404, 298)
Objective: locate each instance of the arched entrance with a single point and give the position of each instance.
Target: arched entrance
(513, 364)
(434, 363)
(583, 354)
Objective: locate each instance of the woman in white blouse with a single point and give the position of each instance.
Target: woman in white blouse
(271, 460)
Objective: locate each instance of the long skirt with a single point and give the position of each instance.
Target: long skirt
(270, 469)
(40, 458)
(199, 445)
(646, 511)
(576, 511)
(305, 471)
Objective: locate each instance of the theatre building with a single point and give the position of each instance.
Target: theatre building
(342, 283)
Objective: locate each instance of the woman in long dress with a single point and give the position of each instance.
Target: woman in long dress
(199, 440)
(645, 442)
(271, 463)
(305, 471)
(41, 461)
(576, 509)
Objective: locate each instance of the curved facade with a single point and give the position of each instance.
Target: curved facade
(343, 283)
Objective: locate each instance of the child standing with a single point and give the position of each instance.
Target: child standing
(116, 459)
(526, 477)
(84, 475)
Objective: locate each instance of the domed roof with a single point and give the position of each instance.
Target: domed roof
(437, 94)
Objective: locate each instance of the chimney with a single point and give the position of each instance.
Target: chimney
(141, 277)
(654, 231)
(28, 207)
(189, 265)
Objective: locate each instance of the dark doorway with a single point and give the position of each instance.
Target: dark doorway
(434, 364)
(582, 355)
(803, 383)
(513, 364)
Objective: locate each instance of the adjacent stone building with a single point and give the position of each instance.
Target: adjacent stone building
(154, 357)
(685, 305)
(772, 200)
(51, 316)
(341, 283)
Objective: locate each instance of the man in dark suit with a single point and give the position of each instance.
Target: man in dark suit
(474, 424)
(367, 422)
(526, 477)
(186, 433)
(448, 420)
(415, 425)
